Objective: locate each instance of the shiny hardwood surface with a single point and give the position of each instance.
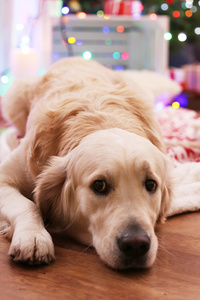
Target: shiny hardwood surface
(78, 272)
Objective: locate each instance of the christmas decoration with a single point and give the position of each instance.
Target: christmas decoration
(184, 35)
(118, 42)
(123, 7)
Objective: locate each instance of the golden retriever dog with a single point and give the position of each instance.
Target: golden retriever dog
(90, 162)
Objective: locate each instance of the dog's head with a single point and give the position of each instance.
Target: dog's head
(109, 192)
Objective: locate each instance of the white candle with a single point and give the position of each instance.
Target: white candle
(24, 63)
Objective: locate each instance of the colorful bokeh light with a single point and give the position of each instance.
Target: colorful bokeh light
(4, 79)
(197, 30)
(65, 10)
(119, 68)
(153, 16)
(64, 42)
(164, 6)
(182, 37)
(108, 42)
(167, 36)
(87, 55)
(176, 14)
(106, 29)
(116, 55)
(79, 42)
(81, 15)
(100, 13)
(188, 13)
(71, 40)
(120, 29)
(181, 99)
(125, 55)
(175, 105)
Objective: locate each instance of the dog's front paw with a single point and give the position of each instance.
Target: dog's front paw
(32, 247)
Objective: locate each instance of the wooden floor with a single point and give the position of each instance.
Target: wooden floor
(78, 272)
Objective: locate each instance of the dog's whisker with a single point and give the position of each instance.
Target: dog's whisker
(85, 249)
(162, 247)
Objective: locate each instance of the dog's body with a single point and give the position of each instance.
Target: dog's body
(91, 159)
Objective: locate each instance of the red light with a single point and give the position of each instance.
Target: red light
(176, 14)
(125, 55)
(64, 43)
(153, 16)
(141, 7)
(120, 29)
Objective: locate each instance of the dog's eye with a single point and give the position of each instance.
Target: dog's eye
(100, 187)
(150, 185)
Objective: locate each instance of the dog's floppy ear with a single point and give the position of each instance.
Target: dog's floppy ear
(53, 191)
(167, 193)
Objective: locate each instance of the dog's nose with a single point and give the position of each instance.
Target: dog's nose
(134, 243)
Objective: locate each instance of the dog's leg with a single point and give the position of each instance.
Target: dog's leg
(16, 103)
(31, 242)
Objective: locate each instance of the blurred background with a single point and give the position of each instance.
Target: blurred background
(157, 35)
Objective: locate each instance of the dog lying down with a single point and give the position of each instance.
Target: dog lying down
(91, 163)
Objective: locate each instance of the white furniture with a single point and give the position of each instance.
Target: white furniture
(140, 45)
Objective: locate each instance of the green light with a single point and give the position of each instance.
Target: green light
(116, 55)
(183, 5)
(108, 42)
(167, 36)
(100, 13)
(87, 55)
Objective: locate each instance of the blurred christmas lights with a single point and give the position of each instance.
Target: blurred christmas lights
(182, 37)
(87, 55)
(176, 14)
(175, 105)
(81, 15)
(188, 4)
(125, 55)
(180, 100)
(183, 5)
(106, 29)
(188, 13)
(153, 16)
(65, 10)
(197, 30)
(108, 42)
(63, 42)
(116, 55)
(164, 6)
(4, 79)
(100, 13)
(194, 9)
(167, 36)
(79, 42)
(71, 40)
(120, 29)
(119, 68)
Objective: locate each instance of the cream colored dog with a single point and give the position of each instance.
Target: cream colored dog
(90, 163)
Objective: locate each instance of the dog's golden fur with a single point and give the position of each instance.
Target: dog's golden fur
(83, 123)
